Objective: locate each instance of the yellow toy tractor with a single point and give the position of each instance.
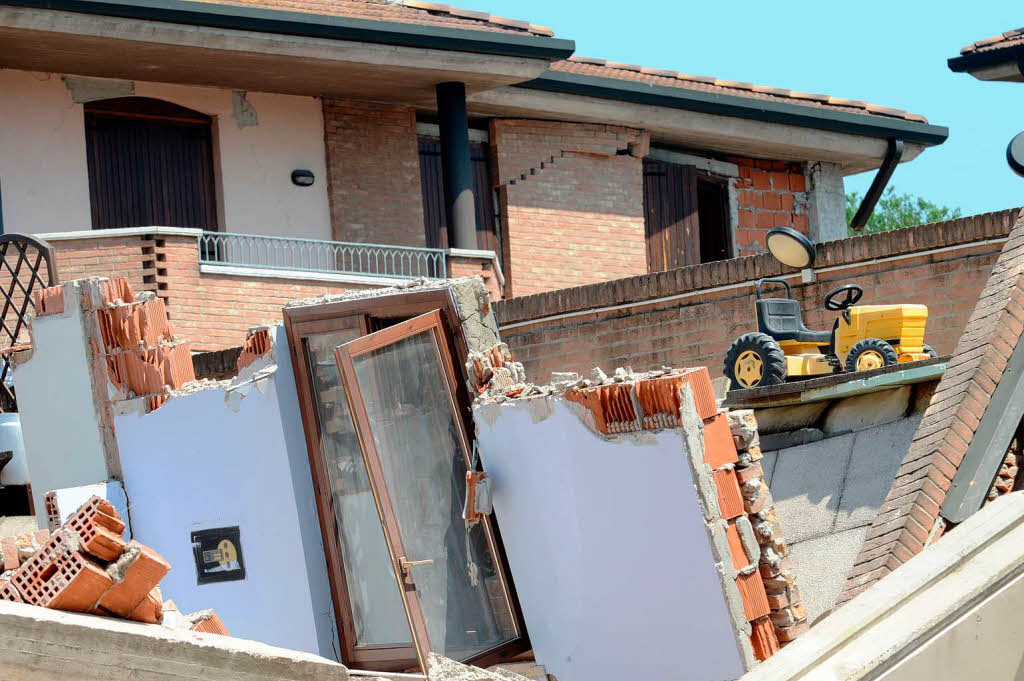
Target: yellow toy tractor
(862, 338)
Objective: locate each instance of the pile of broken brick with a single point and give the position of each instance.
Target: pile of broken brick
(86, 566)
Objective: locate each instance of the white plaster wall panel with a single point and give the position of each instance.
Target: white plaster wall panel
(44, 177)
(59, 421)
(195, 463)
(607, 546)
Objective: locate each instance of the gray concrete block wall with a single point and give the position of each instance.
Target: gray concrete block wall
(826, 495)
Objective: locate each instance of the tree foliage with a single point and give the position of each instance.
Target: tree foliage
(896, 211)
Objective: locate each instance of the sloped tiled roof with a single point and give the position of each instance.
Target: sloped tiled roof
(998, 42)
(399, 11)
(604, 69)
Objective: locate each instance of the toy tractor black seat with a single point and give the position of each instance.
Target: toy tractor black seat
(780, 318)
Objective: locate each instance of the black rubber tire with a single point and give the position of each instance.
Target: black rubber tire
(773, 360)
(888, 352)
(930, 351)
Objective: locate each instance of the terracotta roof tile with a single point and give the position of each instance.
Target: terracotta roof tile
(400, 11)
(587, 66)
(996, 42)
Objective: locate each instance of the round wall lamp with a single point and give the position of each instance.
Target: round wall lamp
(790, 247)
(302, 178)
(1015, 154)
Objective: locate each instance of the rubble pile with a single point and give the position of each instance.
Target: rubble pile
(85, 565)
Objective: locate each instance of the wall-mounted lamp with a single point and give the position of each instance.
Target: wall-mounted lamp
(1015, 154)
(302, 178)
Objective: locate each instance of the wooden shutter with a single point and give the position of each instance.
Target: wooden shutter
(670, 215)
(150, 163)
(435, 221)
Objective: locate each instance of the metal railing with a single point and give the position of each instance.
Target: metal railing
(314, 255)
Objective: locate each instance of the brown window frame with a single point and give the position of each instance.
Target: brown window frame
(433, 323)
(373, 314)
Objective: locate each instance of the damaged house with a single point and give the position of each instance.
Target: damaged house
(404, 470)
(280, 149)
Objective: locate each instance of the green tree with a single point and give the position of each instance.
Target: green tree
(896, 211)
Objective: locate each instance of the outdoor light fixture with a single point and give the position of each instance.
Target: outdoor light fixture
(790, 247)
(302, 178)
(1015, 154)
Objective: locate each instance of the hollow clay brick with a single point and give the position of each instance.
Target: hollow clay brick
(150, 609)
(48, 301)
(52, 512)
(255, 346)
(718, 445)
(730, 502)
(99, 529)
(207, 622)
(755, 600)
(763, 639)
(135, 574)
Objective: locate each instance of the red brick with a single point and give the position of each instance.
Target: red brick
(99, 528)
(755, 600)
(730, 501)
(138, 571)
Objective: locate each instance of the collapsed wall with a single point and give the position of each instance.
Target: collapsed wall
(629, 496)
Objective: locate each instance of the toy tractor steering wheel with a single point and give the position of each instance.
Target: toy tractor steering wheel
(843, 297)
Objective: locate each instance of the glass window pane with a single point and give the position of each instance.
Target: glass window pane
(377, 609)
(407, 400)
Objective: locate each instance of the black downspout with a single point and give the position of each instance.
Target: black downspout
(456, 167)
(867, 206)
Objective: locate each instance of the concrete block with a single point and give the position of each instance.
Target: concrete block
(786, 419)
(792, 438)
(867, 411)
(821, 566)
(876, 456)
(807, 484)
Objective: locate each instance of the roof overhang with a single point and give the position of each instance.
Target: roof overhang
(714, 122)
(264, 50)
(1004, 64)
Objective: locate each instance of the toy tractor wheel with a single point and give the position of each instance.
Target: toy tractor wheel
(871, 353)
(754, 360)
(930, 351)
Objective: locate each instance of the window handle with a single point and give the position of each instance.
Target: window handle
(407, 564)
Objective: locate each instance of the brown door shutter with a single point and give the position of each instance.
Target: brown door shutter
(670, 215)
(150, 163)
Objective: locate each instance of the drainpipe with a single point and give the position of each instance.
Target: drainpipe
(456, 168)
(867, 206)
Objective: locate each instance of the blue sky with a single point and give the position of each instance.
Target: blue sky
(890, 53)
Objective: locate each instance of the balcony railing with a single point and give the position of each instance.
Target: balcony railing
(313, 255)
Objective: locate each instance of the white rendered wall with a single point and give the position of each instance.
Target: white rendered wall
(197, 463)
(44, 180)
(59, 422)
(607, 547)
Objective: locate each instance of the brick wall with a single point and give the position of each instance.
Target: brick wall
(373, 171)
(689, 316)
(212, 310)
(910, 519)
(572, 202)
(768, 194)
